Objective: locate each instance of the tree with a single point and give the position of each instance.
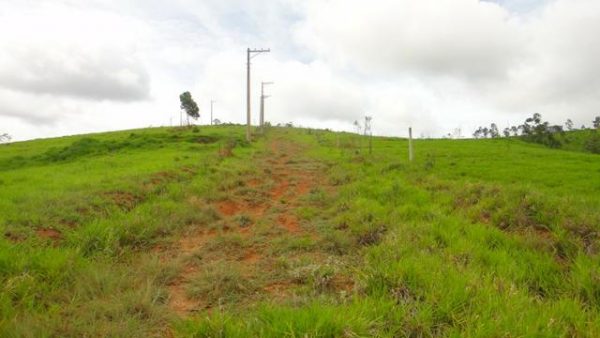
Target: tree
(569, 124)
(514, 130)
(593, 143)
(485, 132)
(534, 130)
(506, 132)
(596, 122)
(5, 138)
(494, 133)
(189, 105)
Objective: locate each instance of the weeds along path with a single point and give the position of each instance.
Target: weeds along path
(236, 257)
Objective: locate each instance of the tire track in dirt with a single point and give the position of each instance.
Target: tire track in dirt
(286, 180)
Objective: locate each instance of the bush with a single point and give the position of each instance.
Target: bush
(593, 144)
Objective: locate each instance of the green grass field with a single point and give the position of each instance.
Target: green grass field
(301, 233)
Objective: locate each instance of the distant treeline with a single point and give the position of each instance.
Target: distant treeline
(535, 130)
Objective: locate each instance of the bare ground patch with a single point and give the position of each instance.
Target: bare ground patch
(269, 201)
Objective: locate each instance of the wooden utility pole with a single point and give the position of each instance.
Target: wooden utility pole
(410, 146)
(249, 52)
(262, 107)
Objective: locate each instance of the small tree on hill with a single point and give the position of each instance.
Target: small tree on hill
(596, 122)
(514, 130)
(494, 133)
(485, 132)
(534, 130)
(5, 138)
(569, 124)
(189, 105)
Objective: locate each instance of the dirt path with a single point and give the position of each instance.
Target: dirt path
(260, 212)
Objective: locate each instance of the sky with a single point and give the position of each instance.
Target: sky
(71, 66)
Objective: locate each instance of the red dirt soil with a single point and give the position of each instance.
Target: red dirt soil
(280, 190)
(289, 222)
(228, 208)
(281, 171)
(47, 233)
(251, 257)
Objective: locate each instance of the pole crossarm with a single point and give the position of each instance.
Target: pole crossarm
(257, 51)
(262, 87)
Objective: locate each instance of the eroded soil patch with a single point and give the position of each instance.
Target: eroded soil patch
(255, 217)
(50, 234)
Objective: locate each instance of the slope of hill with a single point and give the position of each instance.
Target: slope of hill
(187, 232)
(580, 140)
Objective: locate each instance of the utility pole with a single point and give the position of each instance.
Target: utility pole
(211, 111)
(249, 56)
(262, 102)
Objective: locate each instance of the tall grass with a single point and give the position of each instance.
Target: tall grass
(475, 238)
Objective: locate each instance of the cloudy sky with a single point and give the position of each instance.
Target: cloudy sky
(72, 66)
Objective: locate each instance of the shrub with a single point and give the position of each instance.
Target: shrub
(593, 144)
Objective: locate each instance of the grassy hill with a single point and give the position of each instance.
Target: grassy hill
(194, 232)
(581, 140)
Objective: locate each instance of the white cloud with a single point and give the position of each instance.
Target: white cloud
(58, 50)
(427, 37)
(559, 75)
(478, 62)
(314, 91)
(433, 64)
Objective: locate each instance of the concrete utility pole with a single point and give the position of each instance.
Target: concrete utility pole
(262, 102)
(211, 111)
(249, 56)
(410, 147)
